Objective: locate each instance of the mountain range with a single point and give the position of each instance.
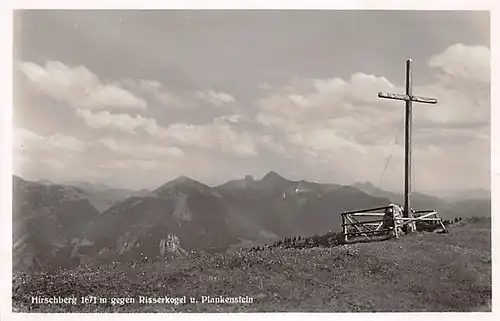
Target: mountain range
(59, 225)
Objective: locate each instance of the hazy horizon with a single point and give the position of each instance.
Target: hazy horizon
(134, 99)
(436, 193)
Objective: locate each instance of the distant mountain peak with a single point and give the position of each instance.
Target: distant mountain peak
(273, 181)
(247, 182)
(45, 182)
(272, 176)
(183, 184)
(364, 184)
(183, 180)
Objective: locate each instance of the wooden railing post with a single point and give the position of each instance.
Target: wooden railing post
(395, 223)
(344, 228)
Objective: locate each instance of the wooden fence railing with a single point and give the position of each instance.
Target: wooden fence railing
(382, 221)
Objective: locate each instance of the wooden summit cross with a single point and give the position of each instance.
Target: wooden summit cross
(408, 97)
(393, 218)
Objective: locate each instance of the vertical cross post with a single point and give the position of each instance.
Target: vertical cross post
(408, 123)
(408, 98)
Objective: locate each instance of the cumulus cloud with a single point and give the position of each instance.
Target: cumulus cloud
(232, 118)
(155, 91)
(215, 135)
(165, 97)
(218, 99)
(342, 124)
(331, 127)
(323, 99)
(25, 139)
(78, 87)
(140, 151)
(30, 167)
(330, 113)
(121, 122)
(463, 87)
(465, 62)
(322, 139)
(61, 157)
(34, 154)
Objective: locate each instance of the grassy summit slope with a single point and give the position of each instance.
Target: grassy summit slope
(420, 272)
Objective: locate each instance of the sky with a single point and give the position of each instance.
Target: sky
(136, 98)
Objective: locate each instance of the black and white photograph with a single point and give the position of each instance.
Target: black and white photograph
(254, 161)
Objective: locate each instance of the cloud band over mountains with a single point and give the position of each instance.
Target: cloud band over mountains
(334, 128)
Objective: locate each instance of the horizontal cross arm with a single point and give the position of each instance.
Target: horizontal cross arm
(424, 100)
(405, 97)
(393, 96)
